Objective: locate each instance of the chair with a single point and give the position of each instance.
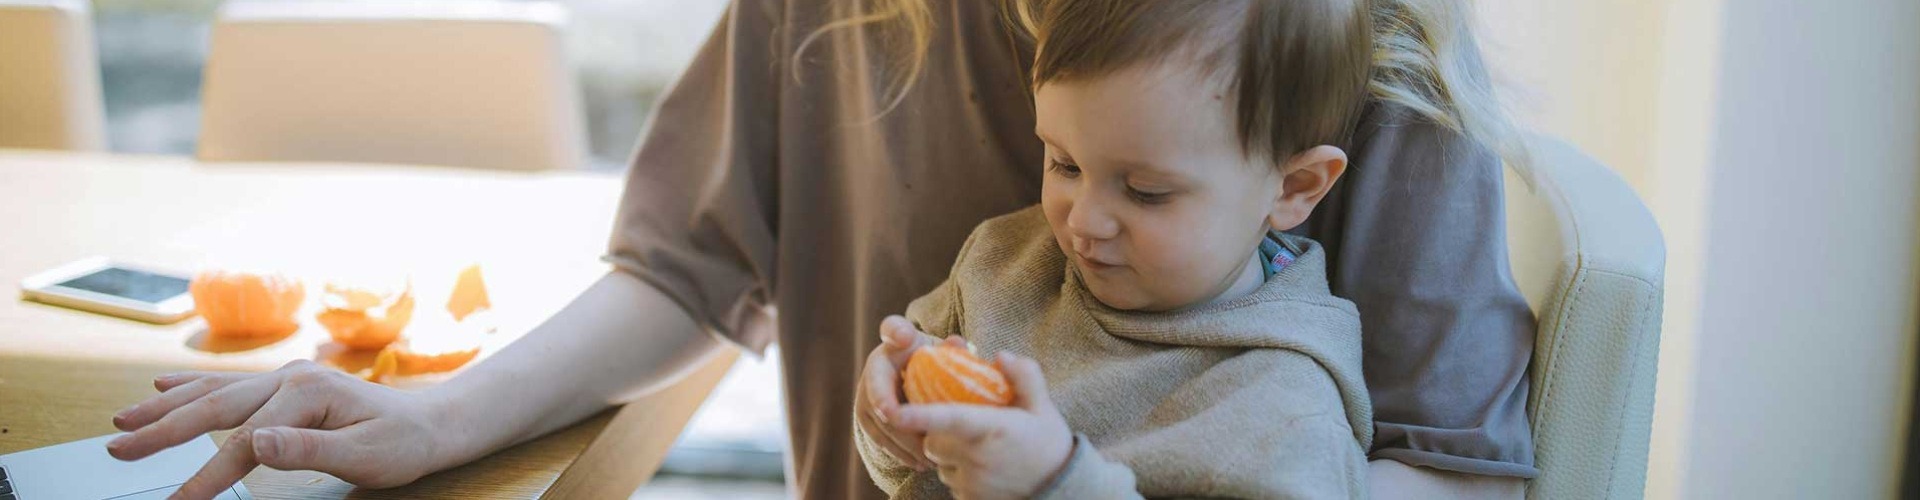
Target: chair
(463, 83)
(1590, 260)
(49, 76)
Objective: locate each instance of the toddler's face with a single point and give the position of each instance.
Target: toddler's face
(1147, 190)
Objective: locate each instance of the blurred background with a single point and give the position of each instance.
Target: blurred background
(1777, 143)
(625, 53)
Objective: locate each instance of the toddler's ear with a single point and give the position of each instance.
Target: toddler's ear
(1305, 180)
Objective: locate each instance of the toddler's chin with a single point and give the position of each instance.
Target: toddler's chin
(1125, 300)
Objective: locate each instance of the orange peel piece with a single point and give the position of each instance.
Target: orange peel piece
(951, 374)
(361, 318)
(469, 294)
(400, 359)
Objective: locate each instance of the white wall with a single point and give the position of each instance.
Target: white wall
(1778, 144)
(1806, 337)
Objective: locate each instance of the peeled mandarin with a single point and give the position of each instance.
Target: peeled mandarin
(362, 318)
(950, 374)
(239, 304)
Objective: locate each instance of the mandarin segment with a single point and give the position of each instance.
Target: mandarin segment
(950, 374)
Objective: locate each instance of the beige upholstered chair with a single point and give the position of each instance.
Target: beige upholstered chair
(1590, 260)
(49, 76)
(472, 83)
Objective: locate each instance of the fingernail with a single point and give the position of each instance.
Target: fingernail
(117, 417)
(266, 445)
(117, 443)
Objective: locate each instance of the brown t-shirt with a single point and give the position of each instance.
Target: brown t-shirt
(768, 181)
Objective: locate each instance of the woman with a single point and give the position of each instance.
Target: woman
(834, 173)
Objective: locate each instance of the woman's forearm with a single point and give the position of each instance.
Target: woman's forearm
(1388, 479)
(618, 339)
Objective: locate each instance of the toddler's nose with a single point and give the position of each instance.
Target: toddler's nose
(1088, 222)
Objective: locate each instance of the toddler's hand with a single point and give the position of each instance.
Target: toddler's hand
(878, 396)
(987, 452)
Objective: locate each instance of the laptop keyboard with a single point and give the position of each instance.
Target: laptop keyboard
(6, 485)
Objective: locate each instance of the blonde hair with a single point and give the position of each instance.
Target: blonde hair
(905, 28)
(1424, 59)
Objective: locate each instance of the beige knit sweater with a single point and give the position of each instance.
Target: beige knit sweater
(1255, 397)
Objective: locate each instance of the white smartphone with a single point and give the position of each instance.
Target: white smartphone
(100, 285)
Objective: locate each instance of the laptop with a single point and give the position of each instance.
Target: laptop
(82, 470)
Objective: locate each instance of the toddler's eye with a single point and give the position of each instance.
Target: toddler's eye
(1067, 170)
(1147, 197)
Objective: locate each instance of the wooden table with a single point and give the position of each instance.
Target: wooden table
(63, 373)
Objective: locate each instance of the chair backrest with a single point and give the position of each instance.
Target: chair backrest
(49, 76)
(474, 83)
(1590, 260)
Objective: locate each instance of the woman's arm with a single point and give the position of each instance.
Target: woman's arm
(619, 339)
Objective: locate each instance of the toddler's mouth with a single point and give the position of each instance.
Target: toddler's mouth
(1095, 264)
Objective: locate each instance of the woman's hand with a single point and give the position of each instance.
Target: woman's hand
(877, 398)
(987, 452)
(302, 416)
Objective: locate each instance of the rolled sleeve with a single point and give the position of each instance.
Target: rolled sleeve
(697, 219)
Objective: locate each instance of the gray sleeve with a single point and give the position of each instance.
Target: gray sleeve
(1088, 475)
(1416, 237)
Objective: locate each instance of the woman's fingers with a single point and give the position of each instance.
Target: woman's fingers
(291, 404)
(146, 412)
(169, 381)
(176, 389)
(278, 434)
(221, 409)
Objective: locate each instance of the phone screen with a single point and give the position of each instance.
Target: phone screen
(130, 284)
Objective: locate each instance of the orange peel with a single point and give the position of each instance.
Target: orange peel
(469, 294)
(401, 359)
(362, 318)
